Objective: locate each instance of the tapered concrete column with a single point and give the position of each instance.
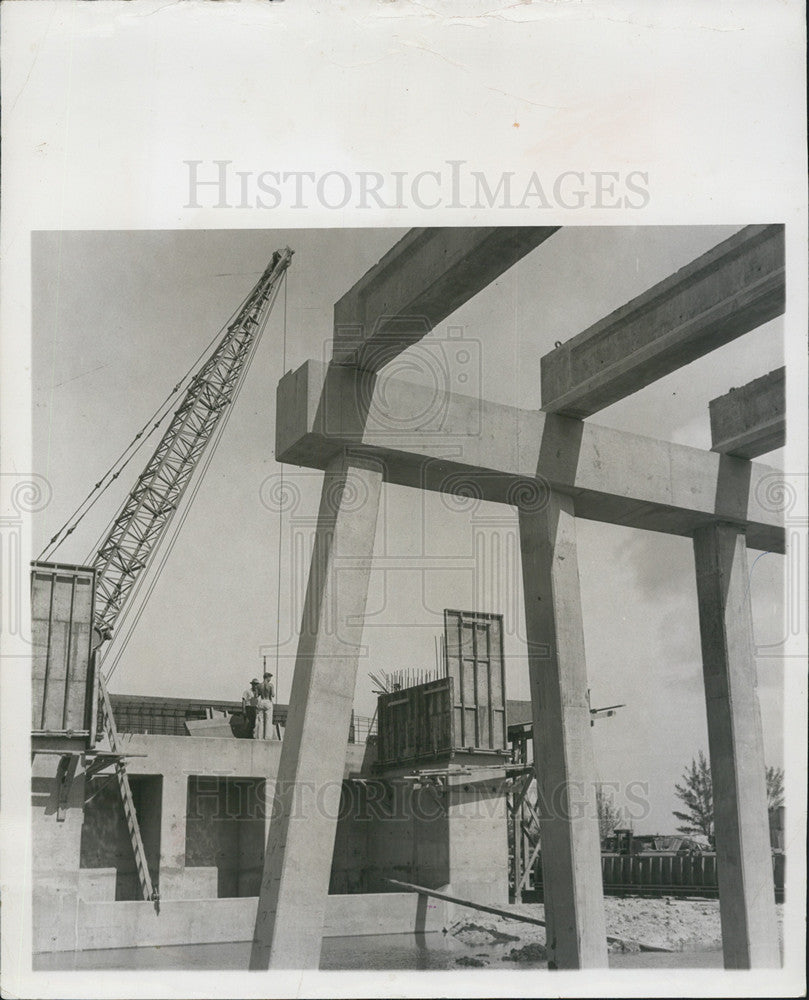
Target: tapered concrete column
(741, 827)
(295, 883)
(566, 780)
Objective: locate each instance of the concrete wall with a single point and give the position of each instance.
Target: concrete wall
(389, 830)
(55, 848)
(201, 803)
(186, 875)
(441, 834)
(478, 837)
(119, 925)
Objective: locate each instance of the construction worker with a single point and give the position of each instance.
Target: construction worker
(249, 703)
(264, 709)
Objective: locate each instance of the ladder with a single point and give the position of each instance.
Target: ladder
(108, 722)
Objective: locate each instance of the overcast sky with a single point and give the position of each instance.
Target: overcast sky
(120, 316)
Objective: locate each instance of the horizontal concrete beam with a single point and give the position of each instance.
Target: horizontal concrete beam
(454, 443)
(732, 289)
(425, 277)
(751, 421)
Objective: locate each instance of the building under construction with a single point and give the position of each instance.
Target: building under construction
(327, 830)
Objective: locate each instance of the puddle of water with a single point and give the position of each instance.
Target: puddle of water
(392, 951)
(371, 952)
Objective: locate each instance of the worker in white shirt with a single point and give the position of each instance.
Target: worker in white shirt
(264, 709)
(249, 703)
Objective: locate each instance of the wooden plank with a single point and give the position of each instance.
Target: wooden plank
(424, 278)
(732, 289)
(498, 911)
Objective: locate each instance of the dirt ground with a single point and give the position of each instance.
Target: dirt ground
(668, 923)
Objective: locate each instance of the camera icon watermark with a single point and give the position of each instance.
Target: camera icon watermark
(414, 388)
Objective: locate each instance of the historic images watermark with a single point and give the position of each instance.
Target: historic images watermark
(452, 185)
(221, 795)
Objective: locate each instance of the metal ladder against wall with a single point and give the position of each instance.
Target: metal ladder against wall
(108, 722)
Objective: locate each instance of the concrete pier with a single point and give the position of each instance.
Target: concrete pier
(571, 849)
(295, 883)
(744, 860)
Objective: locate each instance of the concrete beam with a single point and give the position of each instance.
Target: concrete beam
(751, 421)
(721, 295)
(741, 826)
(295, 883)
(448, 442)
(563, 752)
(425, 277)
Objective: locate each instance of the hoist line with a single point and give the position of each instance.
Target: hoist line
(175, 526)
(280, 508)
(137, 442)
(194, 371)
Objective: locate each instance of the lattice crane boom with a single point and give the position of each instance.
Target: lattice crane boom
(145, 514)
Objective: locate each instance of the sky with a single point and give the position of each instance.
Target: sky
(118, 317)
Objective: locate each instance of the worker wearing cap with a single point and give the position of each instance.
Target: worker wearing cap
(264, 709)
(249, 702)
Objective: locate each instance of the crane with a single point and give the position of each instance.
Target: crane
(150, 505)
(142, 520)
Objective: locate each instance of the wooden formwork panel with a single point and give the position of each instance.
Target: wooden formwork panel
(475, 662)
(62, 679)
(416, 722)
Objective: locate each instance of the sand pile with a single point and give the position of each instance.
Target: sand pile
(675, 924)
(666, 923)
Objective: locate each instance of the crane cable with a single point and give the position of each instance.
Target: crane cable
(137, 443)
(176, 526)
(280, 511)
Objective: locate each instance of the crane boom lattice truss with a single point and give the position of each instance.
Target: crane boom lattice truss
(149, 507)
(140, 524)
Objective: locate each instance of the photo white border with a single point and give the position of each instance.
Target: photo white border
(103, 103)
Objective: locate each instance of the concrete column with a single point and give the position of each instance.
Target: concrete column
(566, 780)
(172, 878)
(295, 882)
(744, 858)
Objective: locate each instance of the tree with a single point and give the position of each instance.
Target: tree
(775, 788)
(609, 815)
(696, 793)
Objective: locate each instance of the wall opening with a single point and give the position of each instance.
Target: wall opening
(105, 839)
(225, 829)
